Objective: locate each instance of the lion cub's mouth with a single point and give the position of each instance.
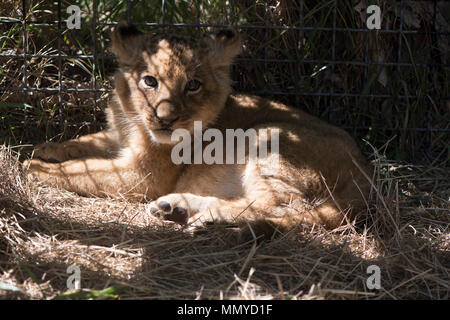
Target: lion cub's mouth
(165, 130)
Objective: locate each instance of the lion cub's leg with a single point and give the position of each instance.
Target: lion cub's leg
(267, 213)
(264, 212)
(268, 199)
(223, 194)
(93, 176)
(101, 144)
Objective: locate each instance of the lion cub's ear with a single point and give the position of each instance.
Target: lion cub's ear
(126, 40)
(223, 46)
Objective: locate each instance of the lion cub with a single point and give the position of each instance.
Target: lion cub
(168, 82)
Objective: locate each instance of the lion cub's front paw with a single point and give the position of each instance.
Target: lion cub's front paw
(36, 168)
(172, 208)
(57, 152)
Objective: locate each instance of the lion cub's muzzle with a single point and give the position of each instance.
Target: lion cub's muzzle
(166, 114)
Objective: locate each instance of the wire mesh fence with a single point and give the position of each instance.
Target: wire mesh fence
(389, 84)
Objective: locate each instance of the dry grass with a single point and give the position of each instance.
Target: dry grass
(117, 245)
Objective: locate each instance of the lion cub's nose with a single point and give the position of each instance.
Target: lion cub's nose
(165, 113)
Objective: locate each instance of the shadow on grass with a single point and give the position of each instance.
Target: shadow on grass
(150, 260)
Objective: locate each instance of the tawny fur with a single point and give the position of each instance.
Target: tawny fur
(322, 176)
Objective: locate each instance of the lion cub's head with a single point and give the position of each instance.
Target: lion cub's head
(167, 82)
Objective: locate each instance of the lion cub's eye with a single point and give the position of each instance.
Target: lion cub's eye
(193, 86)
(150, 82)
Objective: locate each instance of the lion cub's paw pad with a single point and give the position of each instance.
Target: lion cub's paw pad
(164, 211)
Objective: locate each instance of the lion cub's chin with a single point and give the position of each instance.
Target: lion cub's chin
(162, 136)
